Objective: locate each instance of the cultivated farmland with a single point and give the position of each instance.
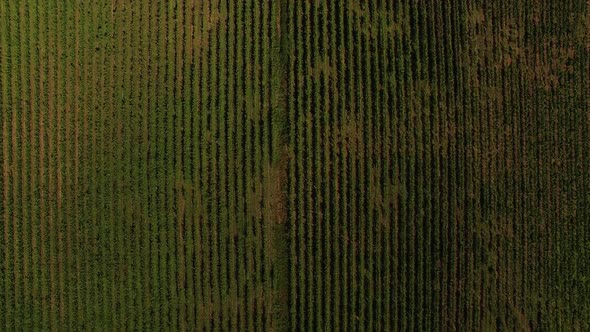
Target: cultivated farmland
(336, 165)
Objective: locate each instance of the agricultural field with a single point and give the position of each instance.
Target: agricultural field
(331, 165)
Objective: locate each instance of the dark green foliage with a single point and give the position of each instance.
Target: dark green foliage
(294, 165)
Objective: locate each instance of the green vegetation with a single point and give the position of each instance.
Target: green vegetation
(347, 165)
